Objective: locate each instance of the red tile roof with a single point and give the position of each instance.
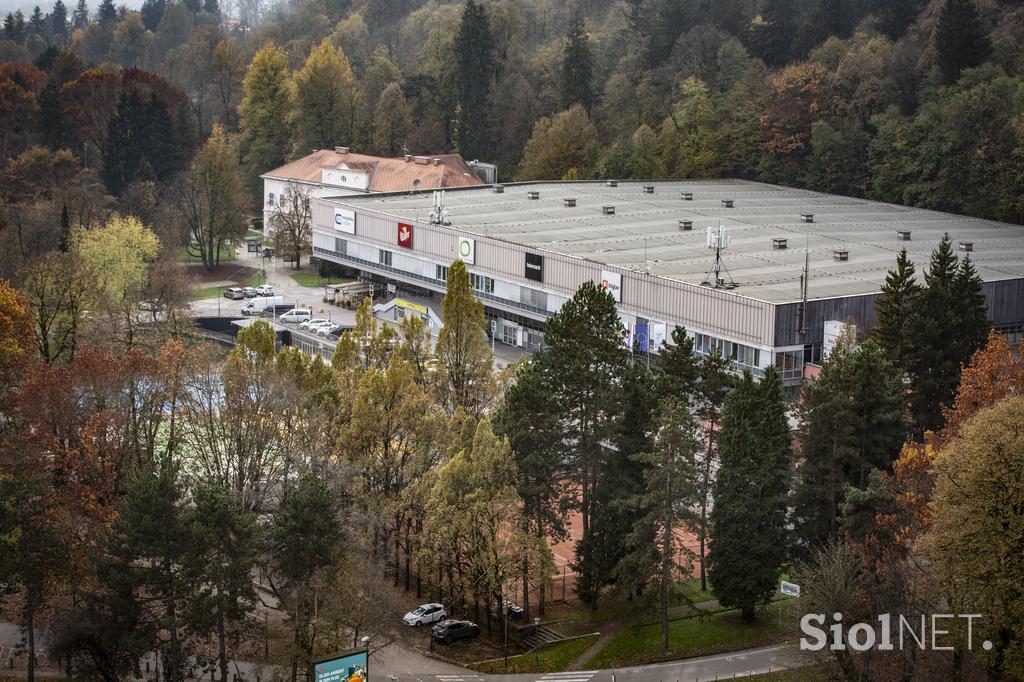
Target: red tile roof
(386, 174)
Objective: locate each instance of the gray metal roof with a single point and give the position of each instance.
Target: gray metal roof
(646, 227)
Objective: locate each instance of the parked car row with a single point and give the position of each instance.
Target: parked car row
(445, 630)
(239, 293)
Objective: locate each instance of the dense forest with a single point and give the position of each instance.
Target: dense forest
(903, 101)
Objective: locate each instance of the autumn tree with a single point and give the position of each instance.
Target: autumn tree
(559, 146)
(292, 222)
(465, 374)
(324, 101)
(974, 531)
(263, 116)
(211, 199)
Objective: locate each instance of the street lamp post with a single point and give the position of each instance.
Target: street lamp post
(504, 609)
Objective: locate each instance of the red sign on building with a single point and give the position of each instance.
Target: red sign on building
(405, 235)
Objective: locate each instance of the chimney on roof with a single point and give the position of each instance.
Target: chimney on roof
(437, 162)
(341, 150)
(407, 158)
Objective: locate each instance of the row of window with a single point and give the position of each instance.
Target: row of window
(481, 283)
(737, 352)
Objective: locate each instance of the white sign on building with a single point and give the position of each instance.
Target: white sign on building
(612, 283)
(833, 332)
(467, 250)
(789, 589)
(344, 220)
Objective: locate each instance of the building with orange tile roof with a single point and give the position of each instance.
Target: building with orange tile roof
(341, 172)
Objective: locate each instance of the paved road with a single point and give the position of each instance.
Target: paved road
(720, 667)
(312, 297)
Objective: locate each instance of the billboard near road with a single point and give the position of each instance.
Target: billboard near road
(347, 667)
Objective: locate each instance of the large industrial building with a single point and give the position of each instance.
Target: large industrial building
(764, 274)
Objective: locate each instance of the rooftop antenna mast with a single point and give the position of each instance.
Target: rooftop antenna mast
(805, 276)
(718, 242)
(439, 214)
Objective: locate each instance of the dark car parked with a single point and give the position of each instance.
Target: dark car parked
(449, 631)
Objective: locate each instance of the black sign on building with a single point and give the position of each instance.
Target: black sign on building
(535, 267)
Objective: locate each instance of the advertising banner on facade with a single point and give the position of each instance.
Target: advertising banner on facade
(346, 667)
(405, 235)
(659, 334)
(467, 250)
(344, 220)
(535, 267)
(612, 283)
(833, 332)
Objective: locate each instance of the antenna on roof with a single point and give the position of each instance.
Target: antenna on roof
(718, 242)
(801, 327)
(439, 214)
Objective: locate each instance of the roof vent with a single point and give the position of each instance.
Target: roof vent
(841, 254)
(533, 195)
(498, 189)
(780, 243)
(422, 160)
(967, 246)
(807, 217)
(648, 189)
(407, 158)
(569, 203)
(903, 235)
(726, 203)
(612, 183)
(608, 210)
(687, 196)
(341, 150)
(686, 225)
(437, 162)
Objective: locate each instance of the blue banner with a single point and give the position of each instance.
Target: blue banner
(640, 337)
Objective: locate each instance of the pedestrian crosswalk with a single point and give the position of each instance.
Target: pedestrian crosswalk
(468, 677)
(572, 676)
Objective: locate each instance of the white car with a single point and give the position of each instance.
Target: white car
(314, 322)
(428, 613)
(327, 329)
(265, 290)
(296, 316)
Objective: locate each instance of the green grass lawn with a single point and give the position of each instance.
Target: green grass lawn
(227, 253)
(688, 637)
(550, 659)
(306, 278)
(202, 293)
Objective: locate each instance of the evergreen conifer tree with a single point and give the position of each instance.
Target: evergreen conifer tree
(851, 424)
(80, 17)
(748, 521)
(474, 67)
(577, 68)
(59, 21)
(106, 14)
(893, 310)
(263, 116)
(961, 41)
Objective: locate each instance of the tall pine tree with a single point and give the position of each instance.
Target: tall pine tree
(577, 68)
(851, 424)
(961, 41)
(474, 68)
(894, 308)
(748, 522)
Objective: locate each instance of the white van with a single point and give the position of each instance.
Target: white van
(296, 315)
(257, 305)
